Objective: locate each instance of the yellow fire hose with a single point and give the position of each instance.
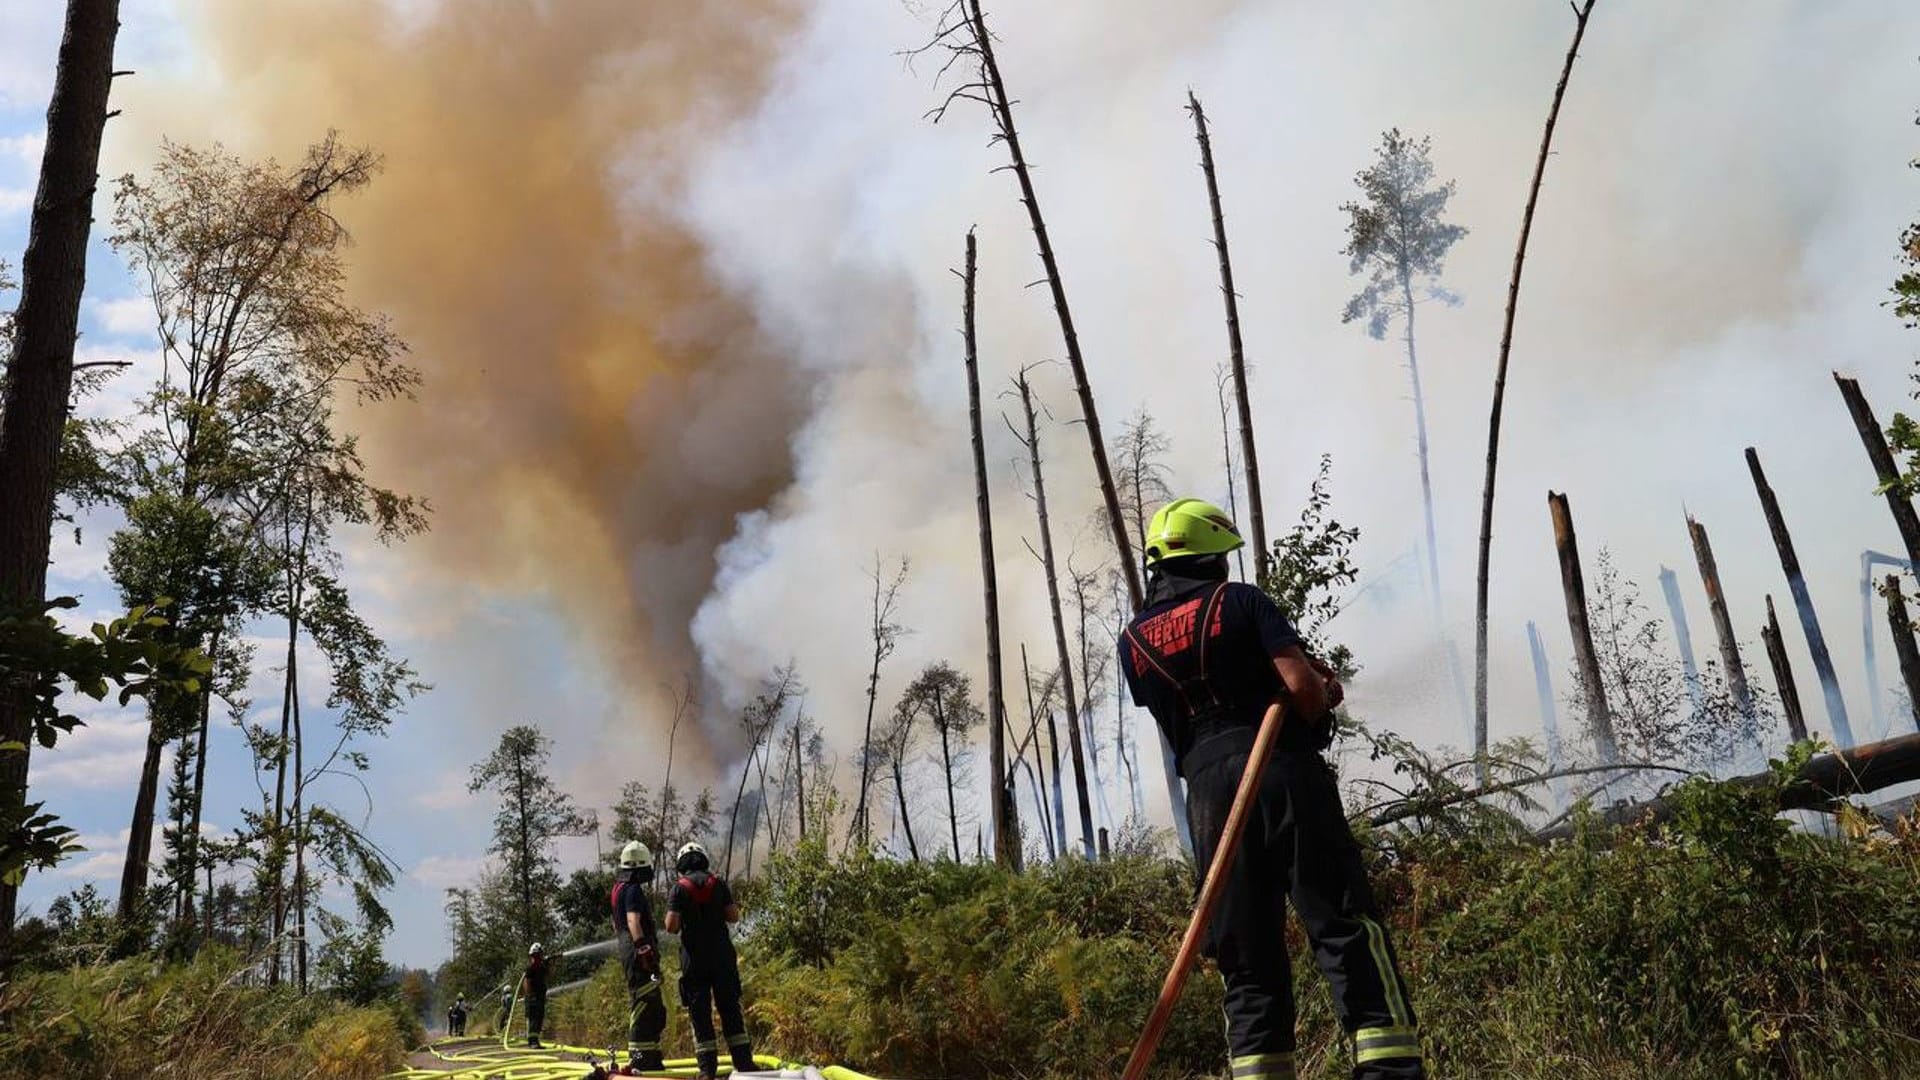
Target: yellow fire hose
(477, 1060)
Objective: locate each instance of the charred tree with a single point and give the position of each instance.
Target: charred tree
(1580, 14)
(1884, 468)
(1068, 697)
(1783, 675)
(39, 382)
(1722, 621)
(1903, 644)
(1573, 584)
(1005, 813)
(1802, 600)
(1236, 356)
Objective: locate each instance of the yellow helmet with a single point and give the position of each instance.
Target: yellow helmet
(1190, 527)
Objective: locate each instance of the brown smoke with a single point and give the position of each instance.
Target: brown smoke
(596, 409)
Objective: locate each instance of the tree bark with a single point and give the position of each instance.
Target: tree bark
(1053, 825)
(1226, 465)
(39, 383)
(300, 844)
(799, 775)
(1006, 813)
(1904, 646)
(946, 763)
(1803, 600)
(1828, 777)
(860, 818)
(1884, 467)
(1249, 454)
(1722, 621)
(906, 820)
(1068, 697)
(1580, 15)
(1783, 675)
(190, 842)
(1573, 585)
(133, 873)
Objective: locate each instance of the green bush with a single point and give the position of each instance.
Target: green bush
(142, 1017)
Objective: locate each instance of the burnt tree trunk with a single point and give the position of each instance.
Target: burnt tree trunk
(906, 820)
(1002, 108)
(1573, 584)
(1006, 814)
(1236, 355)
(1783, 675)
(1051, 825)
(1068, 696)
(1884, 467)
(1722, 621)
(1682, 633)
(39, 383)
(1903, 645)
(1803, 600)
(1580, 15)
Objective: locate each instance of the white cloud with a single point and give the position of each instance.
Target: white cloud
(449, 792)
(448, 871)
(129, 316)
(24, 149)
(102, 755)
(15, 200)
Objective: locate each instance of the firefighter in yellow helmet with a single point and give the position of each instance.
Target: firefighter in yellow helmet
(639, 943)
(1207, 656)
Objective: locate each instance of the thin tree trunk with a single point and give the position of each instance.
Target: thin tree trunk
(906, 819)
(860, 822)
(1904, 646)
(1249, 455)
(1736, 670)
(1549, 717)
(296, 588)
(1005, 812)
(680, 706)
(1580, 15)
(1573, 584)
(1783, 675)
(1884, 467)
(1068, 697)
(1803, 600)
(39, 384)
(800, 774)
(300, 842)
(1226, 465)
(1682, 633)
(190, 841)
(133, 874)
(1868, 653)
(1420, 451)
(946, 763)
(1049, 822)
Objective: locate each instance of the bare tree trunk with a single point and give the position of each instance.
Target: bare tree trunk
(1682, 633)
(946, 764)
(1868, 653)
(1249, 455)
(1549, 717)
(1884, 467)
(1051, 824)
(133, 874)
(1573, 584)
(682, 702)
(1006, 813)
(800, 772)
(1803, 600)
(300, 889)
(860, 827)
(1580, 15)
(1722, 621)
(39, 383)
(1063, 658)
(1221, 377)
(906, 819)
(1783, 675)
(190, 840)
(1903, 645)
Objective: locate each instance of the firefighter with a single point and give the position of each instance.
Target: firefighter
(699, 909)
(1207, 656)
(533, 991)
(640, 957)
(457, 1017)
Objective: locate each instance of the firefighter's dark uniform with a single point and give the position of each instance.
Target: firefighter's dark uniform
(536, 996)
(457, 1018)
(1208, 690)
(646, 1011)
(709, 969)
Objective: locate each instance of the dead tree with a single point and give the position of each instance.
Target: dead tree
(1783, 675)
(1884, 468)
(1543, 689)
(1573, 584)
(1870, 559)
(1249, 455)
(39, 383)
(1075, 741)
(1058, 821)
(886, 636)
(1005, 813)
(1222, 376)
(1722, 621)
(1682, 633)
(1580, 14)
(1803, 600)
(1903, 644)
(1055, 839)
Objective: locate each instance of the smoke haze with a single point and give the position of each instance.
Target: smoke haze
(679, 284)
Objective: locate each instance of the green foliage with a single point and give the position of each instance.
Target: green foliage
(1903, 434)
(1310, 564)
(191, 1019)
(533, 813)
(39, 659)
(1397, 235)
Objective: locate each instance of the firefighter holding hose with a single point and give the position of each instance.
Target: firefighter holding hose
(700, 909)
(639, 957)
(1208, 656)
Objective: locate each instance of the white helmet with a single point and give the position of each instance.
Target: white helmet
(691, 848)
(535, 949)
(635, 856)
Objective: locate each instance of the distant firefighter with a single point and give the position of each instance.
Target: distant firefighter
(457, 1016)
(533, 991)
